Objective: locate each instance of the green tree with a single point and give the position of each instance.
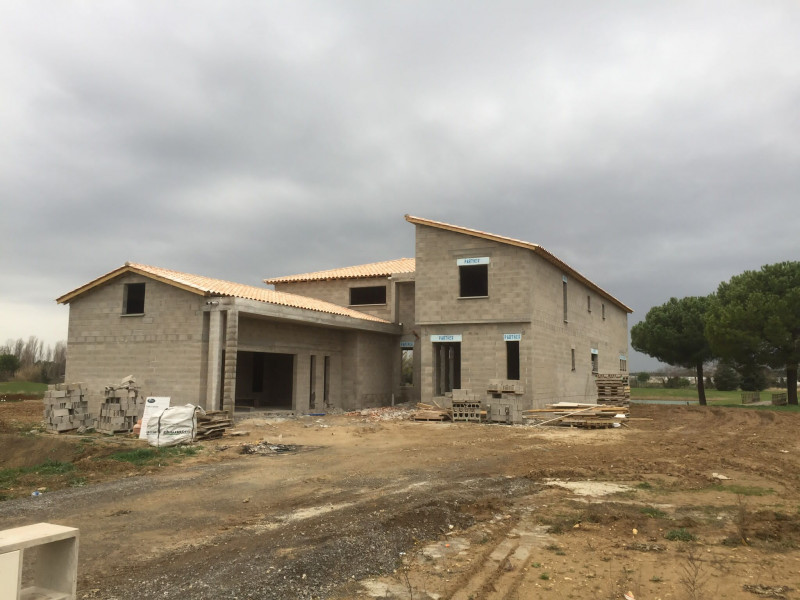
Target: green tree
(8, 365)
(753, 377)
(674, 333)
(726, 379)
(643, 377)
(755, 318)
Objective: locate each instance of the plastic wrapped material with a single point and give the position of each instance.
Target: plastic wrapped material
(172, 426)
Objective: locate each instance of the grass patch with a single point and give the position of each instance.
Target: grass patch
(22, 387)
(11, 476)
(544, 576)
(148, 456)
(680, 535)
(644, 485)
(743, 490)
(653, 512)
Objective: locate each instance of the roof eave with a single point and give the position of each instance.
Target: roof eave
(126, 268)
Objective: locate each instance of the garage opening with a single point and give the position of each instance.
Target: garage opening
(264, 380)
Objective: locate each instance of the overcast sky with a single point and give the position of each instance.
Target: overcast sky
(655, 147)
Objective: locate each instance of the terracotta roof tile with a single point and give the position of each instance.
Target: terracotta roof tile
(208, 286)
(522, 244)
(377, 269)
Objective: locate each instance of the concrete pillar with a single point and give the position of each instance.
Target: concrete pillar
(216, 343)
(231, 350)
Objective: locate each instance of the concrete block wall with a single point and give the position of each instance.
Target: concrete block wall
(161, 348)
(583, 331)
(525, 295)
(337, 291)
(437, 279)
(483, 356)
(369, 365)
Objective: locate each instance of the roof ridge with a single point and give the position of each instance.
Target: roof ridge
(208, 286)
(381, 268)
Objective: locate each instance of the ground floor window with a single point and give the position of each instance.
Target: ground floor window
(446, 367)
(623, 364)
(595, 362)
(512, 360)
(407, 366)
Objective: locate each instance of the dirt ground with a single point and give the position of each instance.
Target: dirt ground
(373, 507)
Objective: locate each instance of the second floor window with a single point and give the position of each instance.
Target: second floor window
(375, 294)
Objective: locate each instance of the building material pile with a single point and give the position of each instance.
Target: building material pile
(613, 389)
(212, 424)
(121, 407)
(66, 407)
(430, 412)
(571, 414)
(467, 406)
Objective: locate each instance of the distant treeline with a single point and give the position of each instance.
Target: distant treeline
(31, 360)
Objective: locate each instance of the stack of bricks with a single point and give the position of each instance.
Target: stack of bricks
(66, 407)
(121, 407)
(466, 406)
(613, 390)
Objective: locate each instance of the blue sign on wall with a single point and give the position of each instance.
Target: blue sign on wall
(512, 337)
(406, 344)
(446, 338)
(463, 262)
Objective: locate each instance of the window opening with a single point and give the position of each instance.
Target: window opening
(623, 364)
(133, 302)
(564, 290)
(594, 362)
(473, 280)
(312, 383)
(589, 303)
(447, 367)
(326, 382)
(603, 307)
(512, 360)
(375, 294)
(573, 359)
(407, 366)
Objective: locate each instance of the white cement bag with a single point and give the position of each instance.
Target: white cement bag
(172, 426)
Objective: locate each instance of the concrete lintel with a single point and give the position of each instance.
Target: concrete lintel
(475, 322)
(311, 317)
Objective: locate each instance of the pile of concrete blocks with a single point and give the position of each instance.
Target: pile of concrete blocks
(66, 407)
(121, 408)
(467, 406)
(505, 388)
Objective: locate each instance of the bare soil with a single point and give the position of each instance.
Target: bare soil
(377, 508)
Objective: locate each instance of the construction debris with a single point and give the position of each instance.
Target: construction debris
(213, 424)
(66, 408)
(121, 407)
(264, 448)
(428, 412)
(613, 389)
(571, 414)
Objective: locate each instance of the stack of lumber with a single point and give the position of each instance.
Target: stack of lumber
(613, 389)
(212, 424)
(572, 414)
(121, 407)
(430, 412)
(66, 407)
